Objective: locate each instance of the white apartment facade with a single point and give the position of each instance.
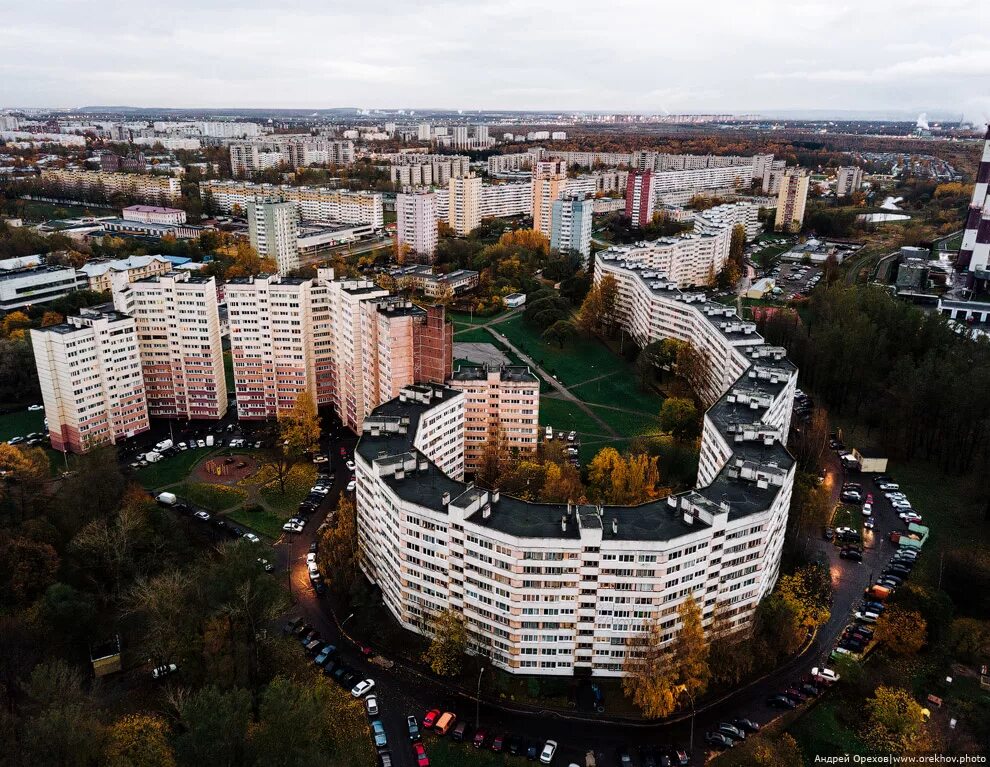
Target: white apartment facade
(37, 285)
(153, 189)
(416, 223)
(273, 228)
(561, 589)
(273, 327)
(502, 403)
(317, 204)
(848, 179)
(89, 369)
(178, 330)
(571, 221)
(154, 214)
(101, 274)
(464, 204)
(791, 200)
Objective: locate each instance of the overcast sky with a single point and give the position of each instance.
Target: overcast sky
(642, 55)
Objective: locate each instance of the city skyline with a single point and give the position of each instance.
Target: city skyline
(809, 56)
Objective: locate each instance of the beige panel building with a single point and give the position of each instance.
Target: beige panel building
(464, 204)
(791, 200)
(549, 180)
(89, 369)
(502, 403)
(178, 330)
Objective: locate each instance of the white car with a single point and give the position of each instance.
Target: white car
(867, 509)
(164, 670)
(320, 459)
(909, 516)
(866, 617)
(362, 688)
(311, 558)
(182, 446)
(201, 443)
(351, 485)
(371, 705)
(266, 565)
(904, 505)
(825, 674)
(320, 489)
(251, 537)
(292, 527)
(889, 486)
(202, 515)
(549, 749)
(35, 408)
(350, 465)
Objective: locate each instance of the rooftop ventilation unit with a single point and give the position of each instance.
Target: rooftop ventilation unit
(486, 511)
(445, 500)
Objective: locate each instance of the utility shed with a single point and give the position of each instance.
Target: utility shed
(869, 461)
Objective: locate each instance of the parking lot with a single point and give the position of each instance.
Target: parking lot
(795, 280)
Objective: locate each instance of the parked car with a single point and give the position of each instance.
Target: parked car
(251, 537)
(853, 554)
(363, 687)
(746, 725)
(371, 705)
(825, 674)
(378, 731)
(781, 701)
(351, 486)
(164, 670)
(419, 751)
(430, 718)
(498, 743)
(413, 726)
(460, 731)
(202, 515)
(731, 731)
(718, 740)
(549, 749)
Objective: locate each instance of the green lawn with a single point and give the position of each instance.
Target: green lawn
(462, 321)
(266, 523)
(848, 516)
(297, 486)
(228, 374)
(168, 471)
(620, 389)
(819, 732)
(212, 497)
(567, 416)
(628, 424)
(581, 358)
(36, 210)
(21, 423)
(444, 752)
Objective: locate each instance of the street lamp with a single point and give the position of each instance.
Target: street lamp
(686, 691)
(477, 700)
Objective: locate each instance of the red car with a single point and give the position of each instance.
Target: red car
(869, 497)
(480, 737)
(421, 758)
(343, 451)
(498, 743)
(366, 651)
(431, 718)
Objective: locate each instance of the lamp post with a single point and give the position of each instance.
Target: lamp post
(687, 692)
(477, 700)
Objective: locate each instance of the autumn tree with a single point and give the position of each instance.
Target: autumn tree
(49, 319)
(619, 480)
(558, 333)
(695, 367)
(298, 433)
(139, 740)
(810, 589)
(649, 679)
(893, 721)
(15, 325)
(811, 444)
(902, 631)
(730, 652)
(764, 750)
(690, 650)
(247, 263)
(24, 474)
(214, 726)
(598, 312)
(445, 655)
(339, 548)
(679, 417)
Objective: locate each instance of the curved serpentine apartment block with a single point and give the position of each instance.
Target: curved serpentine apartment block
(559, 589)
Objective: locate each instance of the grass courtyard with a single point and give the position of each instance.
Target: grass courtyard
(21, 423)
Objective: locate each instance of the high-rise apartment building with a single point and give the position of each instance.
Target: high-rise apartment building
(273, 329)
(502, 405)
(463, 203)
(178, 331)
(791, 200)
(416, 224)
(89, 368)
(460, 134)
(381, 343)
(274, 231)
(848, 179)
(549, 179)
(640, 197)
(424, 132)
(153, 189)
(571, 225)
